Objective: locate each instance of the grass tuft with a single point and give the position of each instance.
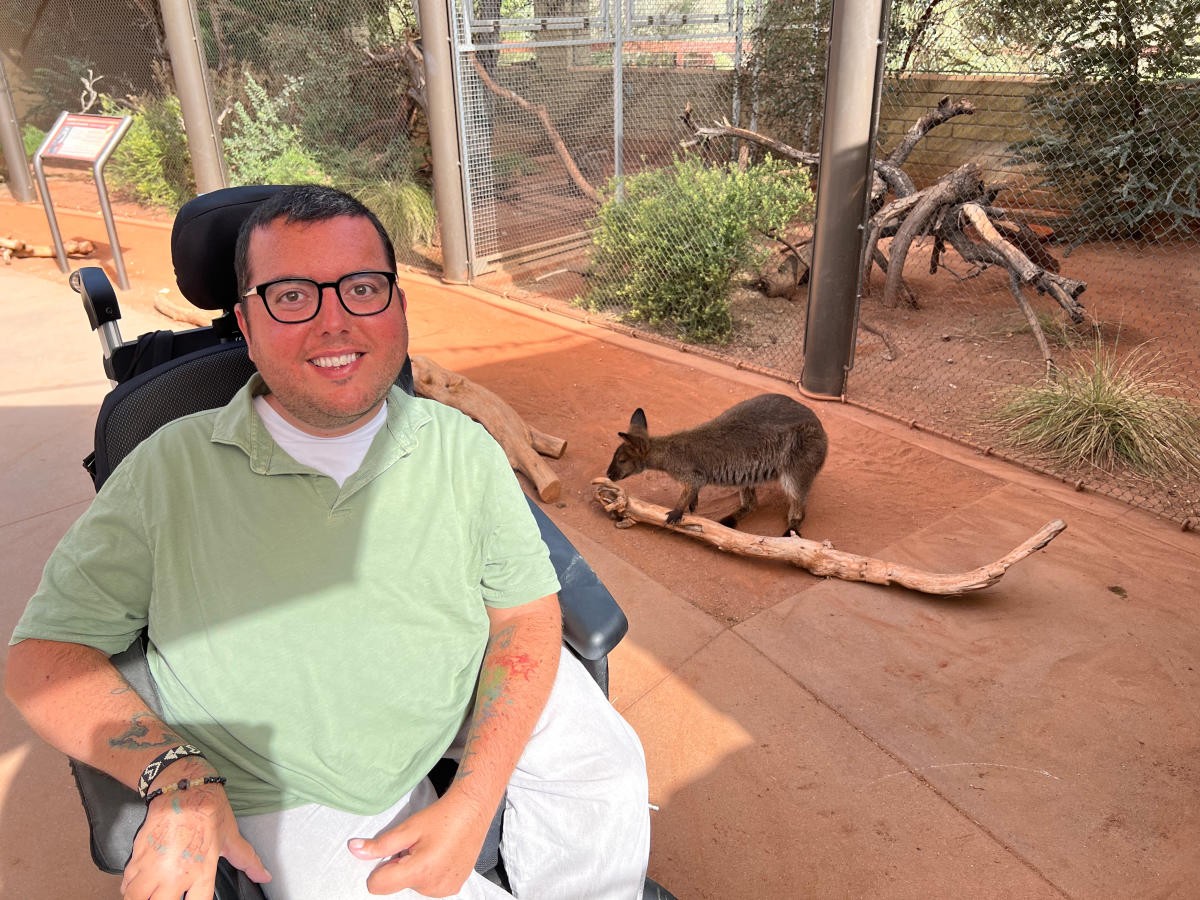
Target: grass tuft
(1108, 411)
(404, 207)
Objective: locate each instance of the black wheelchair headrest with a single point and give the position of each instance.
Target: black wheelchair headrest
(204, 239)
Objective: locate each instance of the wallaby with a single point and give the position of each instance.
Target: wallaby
(761, 439)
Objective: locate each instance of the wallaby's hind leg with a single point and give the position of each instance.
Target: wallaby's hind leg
(687, 501)
(749, 504)
(797, 495)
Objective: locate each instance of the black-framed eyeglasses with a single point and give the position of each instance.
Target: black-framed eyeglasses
(295, 300)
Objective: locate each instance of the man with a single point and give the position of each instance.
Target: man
(340, 583)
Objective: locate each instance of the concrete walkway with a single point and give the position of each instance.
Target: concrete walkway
(805, 737)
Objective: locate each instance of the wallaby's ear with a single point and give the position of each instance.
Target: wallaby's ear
(637, 421)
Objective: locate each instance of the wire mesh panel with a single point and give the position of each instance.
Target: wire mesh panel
(536, 143)
(1083, 151)
(575, 119)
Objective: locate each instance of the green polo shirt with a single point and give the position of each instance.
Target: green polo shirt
(321, 644)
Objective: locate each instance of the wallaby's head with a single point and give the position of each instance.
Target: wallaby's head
(630, 457)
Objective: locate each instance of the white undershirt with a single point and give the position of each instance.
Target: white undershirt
(338, 457)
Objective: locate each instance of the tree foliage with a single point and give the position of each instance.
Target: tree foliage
(1117, 126)
(790, 42)
(263, 147)
(788, 66)
(350, 95)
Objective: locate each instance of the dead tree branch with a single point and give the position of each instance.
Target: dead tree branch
(819, 558)
(521, 444)
(957, 210)
(961, 184)
(943, 112)
(543, 115)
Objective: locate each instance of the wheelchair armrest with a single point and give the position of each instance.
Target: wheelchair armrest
(593, 624)
(114, 811)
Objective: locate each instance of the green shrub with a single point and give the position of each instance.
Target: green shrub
(667, 249)
(31, 137)
(1106, 411)
(263, 147)
(404, 207)
(151, 164)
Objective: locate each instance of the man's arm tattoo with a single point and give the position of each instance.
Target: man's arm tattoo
(132, 738)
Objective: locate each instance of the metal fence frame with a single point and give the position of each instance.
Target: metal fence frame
(611, 26)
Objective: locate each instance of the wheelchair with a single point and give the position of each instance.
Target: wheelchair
(163, 375)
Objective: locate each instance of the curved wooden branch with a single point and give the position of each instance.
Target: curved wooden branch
(961, 184)
(779, 148)
(896, 179)
(500, 419)
(816, 557)
(943, 112)
(539, 110)
(887, 219)
(890, 351)
(1013, 259)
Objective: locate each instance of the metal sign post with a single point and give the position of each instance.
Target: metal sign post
(76, 138)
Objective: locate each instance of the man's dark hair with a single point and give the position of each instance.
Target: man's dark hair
(303, 203)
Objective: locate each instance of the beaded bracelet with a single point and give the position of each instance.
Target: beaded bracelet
(161, 762)
(183, 784)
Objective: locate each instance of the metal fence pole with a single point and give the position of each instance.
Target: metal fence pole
(191, 81)
(440, 109)
(12, 146)
(618, 62)
(854, 73)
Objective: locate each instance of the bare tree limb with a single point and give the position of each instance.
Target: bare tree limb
(961, 184)
(945, 110)
(539, 110)
(816, 557)
(1017, 262)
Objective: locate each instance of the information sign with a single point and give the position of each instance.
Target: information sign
(81, 137)
(78, 137)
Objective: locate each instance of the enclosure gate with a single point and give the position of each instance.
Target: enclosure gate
(558, 98)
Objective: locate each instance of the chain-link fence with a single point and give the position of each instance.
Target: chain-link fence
(605, 178)
(1084, 186)
(1088, 145)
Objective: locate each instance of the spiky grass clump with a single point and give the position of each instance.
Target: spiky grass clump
(404, 207)
(1108, 412)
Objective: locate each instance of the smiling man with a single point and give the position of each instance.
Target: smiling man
(341, 584)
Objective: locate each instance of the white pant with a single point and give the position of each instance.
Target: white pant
(576, 821)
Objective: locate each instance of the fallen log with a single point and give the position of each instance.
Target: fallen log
(501, 421)
(10, 247)
(819, 558)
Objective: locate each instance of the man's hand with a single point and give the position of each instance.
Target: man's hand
(184, 835)
(433, 851)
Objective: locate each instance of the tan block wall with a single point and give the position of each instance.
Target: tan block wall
(1000, 120)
